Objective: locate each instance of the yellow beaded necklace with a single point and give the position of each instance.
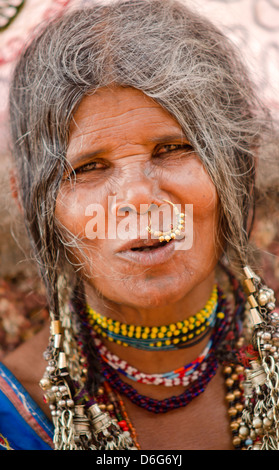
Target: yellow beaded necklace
(160, 337)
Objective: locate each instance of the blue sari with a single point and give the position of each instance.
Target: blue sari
(23, 425)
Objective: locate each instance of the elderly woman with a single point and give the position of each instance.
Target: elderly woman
(141, 109)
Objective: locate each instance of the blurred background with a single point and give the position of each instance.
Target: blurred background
(253, 25)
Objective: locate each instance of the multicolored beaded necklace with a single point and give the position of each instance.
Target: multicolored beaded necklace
(84, 392)
(181, 376)
(205, 369)
(229, 329)
(181, 334)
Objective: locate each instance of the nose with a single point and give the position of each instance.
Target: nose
(138, 195)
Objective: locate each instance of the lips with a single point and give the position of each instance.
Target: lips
(149, 247)
(147, 252)
(140, 244)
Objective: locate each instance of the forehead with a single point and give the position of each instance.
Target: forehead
(117, 111)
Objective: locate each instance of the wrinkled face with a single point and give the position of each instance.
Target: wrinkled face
(129, 154)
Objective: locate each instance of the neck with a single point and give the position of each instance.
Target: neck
(157, 361)
(193, 301)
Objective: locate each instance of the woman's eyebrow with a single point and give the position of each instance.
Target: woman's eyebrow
(169, 138)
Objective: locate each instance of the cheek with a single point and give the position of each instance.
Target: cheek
(196, 188)
(74, 215)
(192, 185)
(206, 215)
(206, 204)
(70, 213)
(74, 208)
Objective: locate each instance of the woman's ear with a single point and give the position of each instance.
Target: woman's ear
(14, 189)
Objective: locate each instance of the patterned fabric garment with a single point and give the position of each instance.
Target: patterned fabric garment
(23, 425)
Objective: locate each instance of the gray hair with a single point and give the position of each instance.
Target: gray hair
(171, 54)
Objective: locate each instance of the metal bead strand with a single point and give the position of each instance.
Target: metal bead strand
(260, 419)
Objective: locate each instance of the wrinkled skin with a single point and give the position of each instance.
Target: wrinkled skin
(123, 143)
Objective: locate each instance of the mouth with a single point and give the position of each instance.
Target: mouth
(148, 252)
(154, 246)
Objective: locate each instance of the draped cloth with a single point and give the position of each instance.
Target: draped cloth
(23, 425)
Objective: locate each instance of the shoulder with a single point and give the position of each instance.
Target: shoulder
(23, 421)
(27, 362)
(23, 425)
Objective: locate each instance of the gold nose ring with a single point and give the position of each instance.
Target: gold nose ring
(174, 231)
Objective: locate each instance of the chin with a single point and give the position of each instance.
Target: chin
(152, 292)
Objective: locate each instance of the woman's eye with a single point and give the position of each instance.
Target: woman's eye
(85, 168)
(90, 167)
(171, 148)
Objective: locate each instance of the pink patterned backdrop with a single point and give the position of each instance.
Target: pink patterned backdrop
(252, 24)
